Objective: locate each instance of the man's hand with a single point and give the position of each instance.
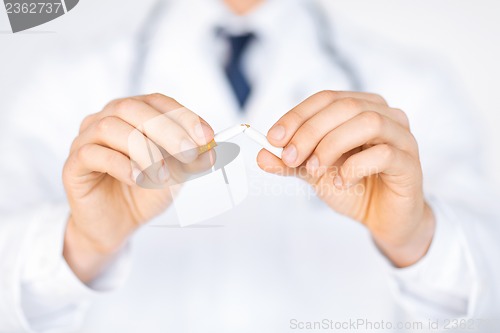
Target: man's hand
(361, 158)
(125, 143)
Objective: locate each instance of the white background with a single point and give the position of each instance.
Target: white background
(465, 32)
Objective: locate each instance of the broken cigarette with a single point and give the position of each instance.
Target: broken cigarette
(234, 131)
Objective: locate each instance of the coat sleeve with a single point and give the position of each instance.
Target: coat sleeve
(38, 291)
(458, 276)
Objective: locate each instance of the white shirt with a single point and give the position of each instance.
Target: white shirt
(276, 257)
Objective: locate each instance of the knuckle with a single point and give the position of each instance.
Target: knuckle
(112, 103)
(66, 172)
(156, 97)
(124, 105)
(413, 146)
(104, 125)
(378, 99)
(74, 144)
(373, 121)
(327, 94)
(352, 103)
(86, 122)
(403, 117)
(84, 152)
(386, 151)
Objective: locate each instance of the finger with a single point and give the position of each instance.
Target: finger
(272, 164)
(382, 159)
(116, 134)
(367, 128)
(91, 158)
(203, 163)
(167, 104)
(281, 133)
(309, 134)
(178, 172)
(196, 126)
(155, 125)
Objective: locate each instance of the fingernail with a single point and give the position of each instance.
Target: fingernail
(135, 174)
(289, 154)
(277, 133)
(188, 149)
(163, 173)
(337, 181)
(202, 132)
(312, 164)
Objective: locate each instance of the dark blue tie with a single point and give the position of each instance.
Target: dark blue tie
(234, 67)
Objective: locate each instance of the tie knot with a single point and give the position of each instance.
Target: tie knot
(238, 44)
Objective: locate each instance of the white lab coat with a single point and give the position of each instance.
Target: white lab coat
(281, 254)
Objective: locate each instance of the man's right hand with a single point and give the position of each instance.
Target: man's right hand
(113, 149)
